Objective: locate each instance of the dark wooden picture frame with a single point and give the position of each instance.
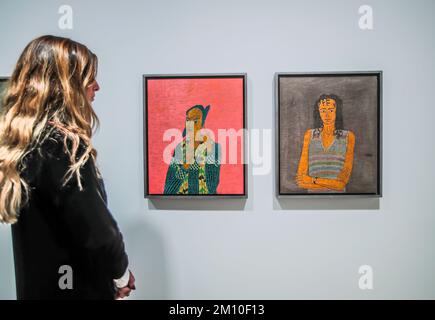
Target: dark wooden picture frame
(297, 95)
(146, 134)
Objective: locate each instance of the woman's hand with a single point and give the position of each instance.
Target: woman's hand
(303, 179)
(126, 291)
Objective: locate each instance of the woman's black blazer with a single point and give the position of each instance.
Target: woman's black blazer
(62, 229)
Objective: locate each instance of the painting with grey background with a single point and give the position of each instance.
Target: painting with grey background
(360, 94)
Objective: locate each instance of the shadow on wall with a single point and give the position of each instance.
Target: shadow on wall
(218, 204)
(146, 250)
(322, 204)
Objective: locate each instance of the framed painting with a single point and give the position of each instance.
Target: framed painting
(194, 135)
(329, 134)
(3, 83)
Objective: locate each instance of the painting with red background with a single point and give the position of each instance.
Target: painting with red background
(168, 99)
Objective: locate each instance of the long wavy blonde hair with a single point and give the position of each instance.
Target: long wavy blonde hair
(47, 88)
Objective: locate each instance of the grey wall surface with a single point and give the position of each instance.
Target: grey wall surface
(265, 248)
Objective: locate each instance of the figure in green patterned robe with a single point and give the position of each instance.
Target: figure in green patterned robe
(198, 174)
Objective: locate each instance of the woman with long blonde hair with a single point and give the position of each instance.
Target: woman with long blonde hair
(66, 243)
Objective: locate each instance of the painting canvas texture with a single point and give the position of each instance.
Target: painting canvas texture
(328, 134)
(189, 104)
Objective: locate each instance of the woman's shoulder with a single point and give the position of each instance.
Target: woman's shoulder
(48, 142)
(54, 143)
(349, 135)
(47, 146)
(344, 134)
(52, 139)
(312, 133)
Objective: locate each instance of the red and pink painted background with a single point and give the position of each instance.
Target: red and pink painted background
(168, 99)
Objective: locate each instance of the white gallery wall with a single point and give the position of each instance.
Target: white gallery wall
(261, 248)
